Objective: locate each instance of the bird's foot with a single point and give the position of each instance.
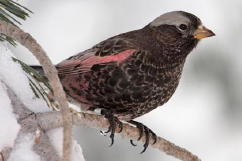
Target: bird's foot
(114, 122)
(143, 130)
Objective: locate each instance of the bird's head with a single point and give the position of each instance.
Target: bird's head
(179, 25)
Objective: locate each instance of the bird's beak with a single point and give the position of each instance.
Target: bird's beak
(202, 32)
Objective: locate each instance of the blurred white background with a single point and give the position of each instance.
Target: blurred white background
(203, 116)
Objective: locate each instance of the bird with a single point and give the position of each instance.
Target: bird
(130, 74)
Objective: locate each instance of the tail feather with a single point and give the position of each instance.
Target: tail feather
(38, 68)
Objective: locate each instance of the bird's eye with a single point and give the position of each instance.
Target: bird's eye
(183, 27)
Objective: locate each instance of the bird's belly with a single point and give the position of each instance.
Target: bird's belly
(127, 96)
(159, 96)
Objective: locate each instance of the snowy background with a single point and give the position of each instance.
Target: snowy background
(203, 116)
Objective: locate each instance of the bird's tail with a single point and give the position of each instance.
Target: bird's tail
(38, 68)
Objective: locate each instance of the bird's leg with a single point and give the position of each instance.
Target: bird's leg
(113, 121)
(143, 130)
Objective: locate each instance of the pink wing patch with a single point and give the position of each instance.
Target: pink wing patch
(84, 63)
(113, 58)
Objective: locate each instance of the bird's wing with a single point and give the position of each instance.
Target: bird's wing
(113, 50)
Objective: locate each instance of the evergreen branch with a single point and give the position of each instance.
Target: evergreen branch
(9, 12)
(17, 4)
(5, 18)
(4, 13)
(33, 73)
(38, 84)
(51, 73)
(7, 38)
(15, 8)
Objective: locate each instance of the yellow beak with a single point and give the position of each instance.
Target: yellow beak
(202, 32)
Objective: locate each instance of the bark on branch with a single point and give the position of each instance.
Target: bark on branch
(51, 73)
(4, 154)
(52, 120)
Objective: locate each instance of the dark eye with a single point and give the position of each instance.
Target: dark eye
(183, 27)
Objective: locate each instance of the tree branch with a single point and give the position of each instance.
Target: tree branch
(51, 73)
(52, 120)
(29, 125)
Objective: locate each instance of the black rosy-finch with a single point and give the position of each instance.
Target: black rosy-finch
(130, 74)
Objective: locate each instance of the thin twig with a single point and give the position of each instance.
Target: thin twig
(53, 120)
(51, 73)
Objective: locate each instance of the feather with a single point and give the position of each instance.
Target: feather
(85, 62)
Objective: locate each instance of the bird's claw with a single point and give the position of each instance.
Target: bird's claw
(143, 130)
(132, 143)
(113, 121)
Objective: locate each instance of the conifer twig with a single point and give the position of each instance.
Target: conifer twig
(51, 73)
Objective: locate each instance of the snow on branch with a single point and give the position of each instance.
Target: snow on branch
(37, 124)
(51, 73)
(32, 142)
